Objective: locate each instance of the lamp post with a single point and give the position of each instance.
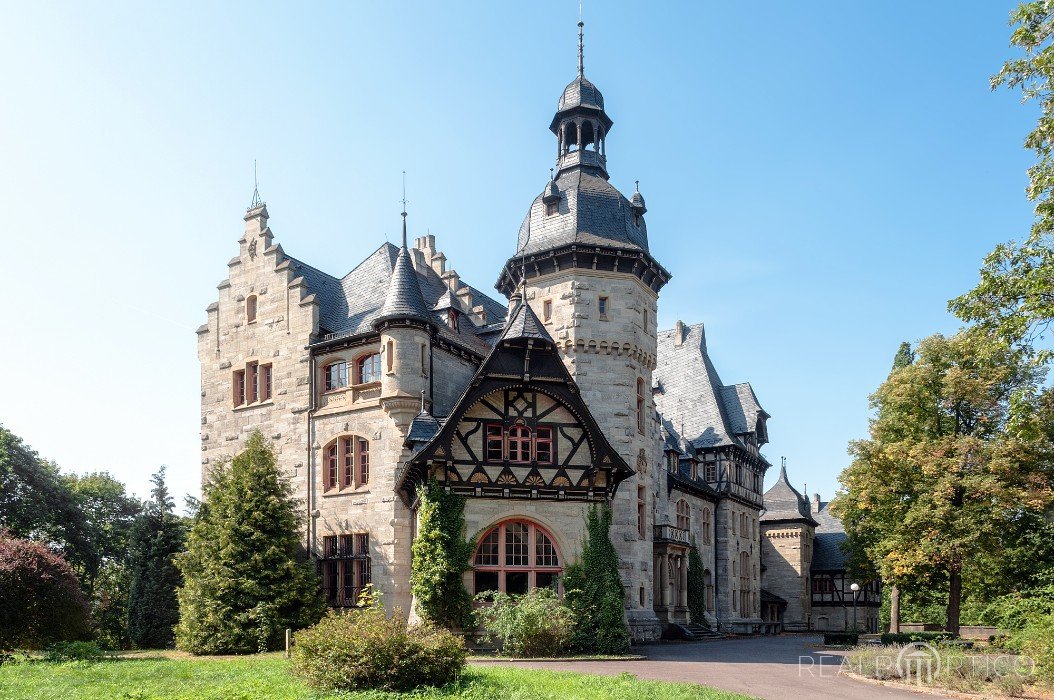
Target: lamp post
(855, 588)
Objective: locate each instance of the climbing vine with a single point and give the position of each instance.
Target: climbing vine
(440, 557)
(593, 591)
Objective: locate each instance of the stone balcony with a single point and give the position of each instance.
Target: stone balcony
(351, 397)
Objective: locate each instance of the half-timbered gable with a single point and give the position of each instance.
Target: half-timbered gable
(520, 430)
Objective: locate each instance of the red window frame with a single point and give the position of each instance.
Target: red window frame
(265, 382)
(519, 444)
(494, 442)
(334, 378)
(364, 461)
(239, 387)
(346, 463)
(252, 382)
(502, 549)
(368, 368)
(518, 441)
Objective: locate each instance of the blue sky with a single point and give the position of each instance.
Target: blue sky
(821, 178)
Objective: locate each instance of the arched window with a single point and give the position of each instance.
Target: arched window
(250, 309)
(640, 405)
(368, 368)
(684, 515)
(706, 526)
(745, 601)
(515, 556)
(346, 463)
(336, 375)
(519, 444)
(389, 351)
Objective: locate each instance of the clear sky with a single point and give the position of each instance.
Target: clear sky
(821, 178)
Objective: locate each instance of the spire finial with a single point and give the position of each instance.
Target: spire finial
(404, 201)
(581, 60)
(256, 189)
(636, 183)
(422, 400)
(551, 175)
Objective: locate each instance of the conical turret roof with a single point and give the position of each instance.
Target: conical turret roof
(404, 300)
(783, 502)
(524, 323)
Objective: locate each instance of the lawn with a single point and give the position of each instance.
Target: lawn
(265, 678)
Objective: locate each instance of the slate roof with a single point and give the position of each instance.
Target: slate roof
(692, 399)
(403, 300)
(580, 92)
(423, 428)
(525, 324)
(827, 554)
(349, 305)
(782, 502)
(591, 212)
(770, 597)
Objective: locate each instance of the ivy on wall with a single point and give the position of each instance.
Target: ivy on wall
(440, 556)
(696, 586)
(593, 591)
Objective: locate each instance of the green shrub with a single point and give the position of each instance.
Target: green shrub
(536, 624)
(62, 652)
(841, 638)
(890, 638)
(364, 649)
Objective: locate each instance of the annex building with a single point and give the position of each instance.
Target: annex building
(562, 394)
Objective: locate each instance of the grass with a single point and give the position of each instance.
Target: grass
(266, 677)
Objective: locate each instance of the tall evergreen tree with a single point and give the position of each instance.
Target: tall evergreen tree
(158, 536)
(245, 579)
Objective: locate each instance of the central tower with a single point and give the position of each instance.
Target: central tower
(583, 264)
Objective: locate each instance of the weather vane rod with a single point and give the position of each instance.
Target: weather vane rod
(581, 53)
(403, 200)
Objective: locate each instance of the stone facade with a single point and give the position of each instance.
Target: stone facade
(399, 372)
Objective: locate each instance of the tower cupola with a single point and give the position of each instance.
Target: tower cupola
(581, 125)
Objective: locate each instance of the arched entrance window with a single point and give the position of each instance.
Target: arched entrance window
(515, 556)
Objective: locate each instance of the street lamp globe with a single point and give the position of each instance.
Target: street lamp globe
(854, 587)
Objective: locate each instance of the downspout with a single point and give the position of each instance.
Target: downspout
(717, 575)
(311, 495)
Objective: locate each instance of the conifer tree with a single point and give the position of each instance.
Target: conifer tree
(594, 590)
(158, 536)
(696, 586)
(245, 580)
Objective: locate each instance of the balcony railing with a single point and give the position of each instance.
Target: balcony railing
(672, 534)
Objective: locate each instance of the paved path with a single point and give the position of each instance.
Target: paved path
(766, 667)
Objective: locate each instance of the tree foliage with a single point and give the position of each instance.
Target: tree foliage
(152, 609)
(40, 598)
(593, 590)
(696, 587)
(245, 579)
(440, 556)
(109, 514)
(36, 503)
(1014, 299)
(946, 470)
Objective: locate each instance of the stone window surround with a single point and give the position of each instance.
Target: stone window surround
(339, 488)
(532, 569)
(261, 369)
(353, 372)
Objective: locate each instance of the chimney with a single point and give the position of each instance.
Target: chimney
(678, 334)
(816, 503)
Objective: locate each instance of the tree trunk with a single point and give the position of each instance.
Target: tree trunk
(894, 609)
(955, 592)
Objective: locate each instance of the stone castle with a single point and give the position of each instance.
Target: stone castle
(399, 372)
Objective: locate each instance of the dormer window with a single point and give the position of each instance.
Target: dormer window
(250, 309)
(451, 319)
(552, 208)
